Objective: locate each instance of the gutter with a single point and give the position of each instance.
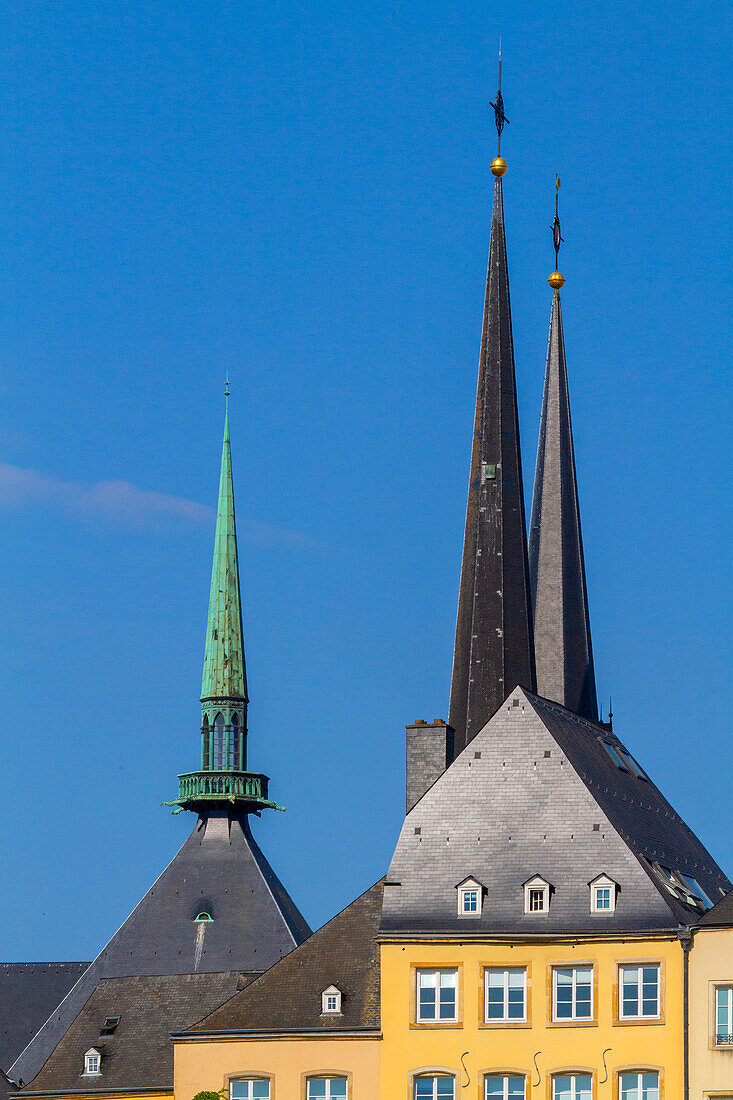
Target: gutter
(277, 1033)
(526, 937)
(144, 1091)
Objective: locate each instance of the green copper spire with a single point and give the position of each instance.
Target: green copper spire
(223, 778)
(225, 675)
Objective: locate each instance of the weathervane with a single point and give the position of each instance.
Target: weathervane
(498, 165)
(556, 280)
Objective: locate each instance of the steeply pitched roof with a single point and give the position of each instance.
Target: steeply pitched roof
(721, 915)
(562, 639)
(225, 675)
(29, 992)
(493, 648)
(139, 1054)
(536, 792)
(255, 923)
(288, 997)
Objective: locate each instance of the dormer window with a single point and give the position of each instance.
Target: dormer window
(331, 1001)
(470, 897)
(603, 895)
(537, 895)
(92, 1063)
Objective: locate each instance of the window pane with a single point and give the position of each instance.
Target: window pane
(445, 1088)
(424, 1088)
(650, 1086)
(583, 1089)
(316, 1088)
(562, 1087)
(337, 1088)
(563, 995)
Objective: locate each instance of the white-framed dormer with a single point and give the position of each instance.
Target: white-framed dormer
(470, 897)
(537, 892)
(92, 1063)
(603, 891)
(331, 1001)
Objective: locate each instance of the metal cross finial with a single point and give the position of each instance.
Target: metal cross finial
(557, 238)
(226, 387)
(499, 116)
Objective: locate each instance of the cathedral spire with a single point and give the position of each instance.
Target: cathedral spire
(493, 649)
(223, 777)
(563, 650)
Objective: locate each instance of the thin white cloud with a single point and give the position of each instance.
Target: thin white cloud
(123, 502)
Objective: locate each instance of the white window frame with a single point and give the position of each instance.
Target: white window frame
(603, 882)
(573, 1018)
(727, 989)
(574, 1078)
(505, 1078)
(639, 967)
(639, 1074)
(332, 994)
(92, 1063)
(466, 889)
(541, 885)
(435, 973)
(328, 1078)
(434, 1077)
(505, 1018)
(249, 1082)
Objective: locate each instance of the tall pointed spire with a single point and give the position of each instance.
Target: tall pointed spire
(493, 648)
(225, 674)
(223, 777)
(562, 638)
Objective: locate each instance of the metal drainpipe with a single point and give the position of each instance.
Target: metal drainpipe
(685, 938)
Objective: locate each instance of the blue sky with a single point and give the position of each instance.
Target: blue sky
(299, 194)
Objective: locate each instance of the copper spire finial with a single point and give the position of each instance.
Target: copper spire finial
(556, 280)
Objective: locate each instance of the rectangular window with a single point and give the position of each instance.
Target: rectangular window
(643, 1085)
(508, 1086)
(695, 889)
(434, 1088)
(249, 1088)
(536, 900)
(572, 992)
(603, 898)
(505, 994)
(572, 1086)
(638, 992)
(614, 754)
(437, 995)
(326, 1088)
(470, 901)
(724, 1016)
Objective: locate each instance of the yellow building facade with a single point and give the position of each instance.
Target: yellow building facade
(711, 1006)
(538, 1047)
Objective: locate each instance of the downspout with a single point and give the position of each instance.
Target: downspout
(685, 938)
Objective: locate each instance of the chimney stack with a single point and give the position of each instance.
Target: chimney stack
(429, 752)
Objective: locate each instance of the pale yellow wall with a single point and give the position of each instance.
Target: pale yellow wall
(406, 1049)
(711, 961)
(209, 1064)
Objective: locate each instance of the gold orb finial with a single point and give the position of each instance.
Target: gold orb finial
(498, 166)
(556, 280)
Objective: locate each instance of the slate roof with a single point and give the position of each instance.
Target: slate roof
(139, 1054)
(29, 992)
(255, 923)
(721, 915)
(493, 647)
(287, 998)
(562, 638)
(536, 793)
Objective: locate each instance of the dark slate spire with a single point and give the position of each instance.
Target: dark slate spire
(493, 650)
(562, 640)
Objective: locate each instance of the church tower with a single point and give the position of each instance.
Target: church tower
(493, 648)
(562, 640)
(218, 908)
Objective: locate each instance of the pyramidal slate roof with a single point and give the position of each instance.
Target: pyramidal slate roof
(562, 638)
(493, 648)
(138, 1054)
(220, 869)
(29, 992)
(343, 953)
(537, 792)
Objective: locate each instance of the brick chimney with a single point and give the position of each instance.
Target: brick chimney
(429, 752)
